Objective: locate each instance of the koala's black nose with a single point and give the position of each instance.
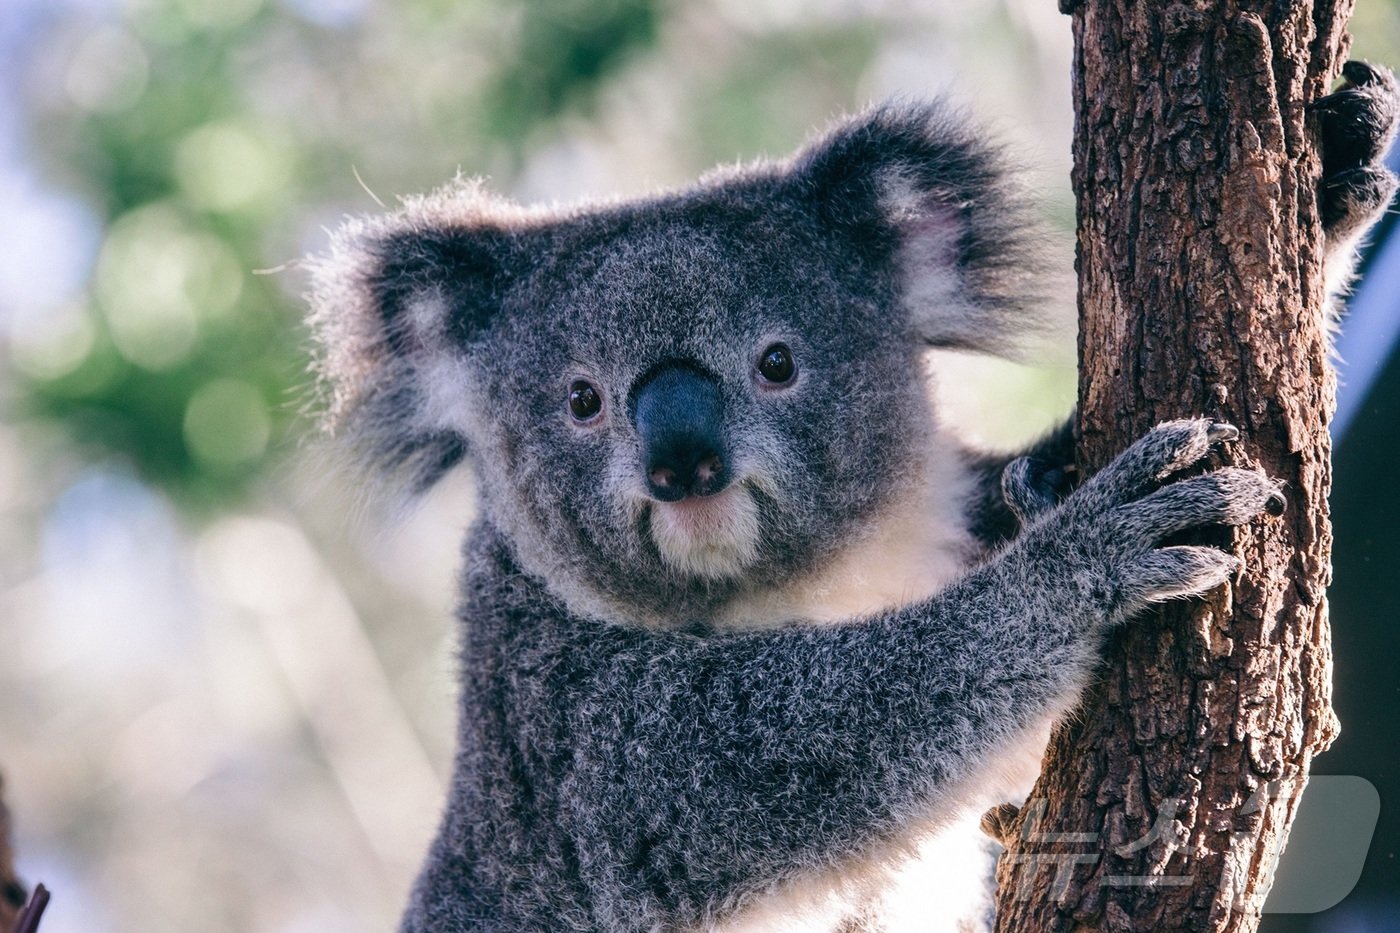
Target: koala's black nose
(680, 417)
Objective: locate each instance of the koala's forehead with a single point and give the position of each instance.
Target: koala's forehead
(695, 278)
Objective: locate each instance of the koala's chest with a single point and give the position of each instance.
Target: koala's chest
(936, 875)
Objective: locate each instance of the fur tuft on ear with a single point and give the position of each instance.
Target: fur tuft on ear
(395, 303)
(916, 186)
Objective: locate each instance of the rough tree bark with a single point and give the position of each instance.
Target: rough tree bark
(1166, 803)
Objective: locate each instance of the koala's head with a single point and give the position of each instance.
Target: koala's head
(673, 400)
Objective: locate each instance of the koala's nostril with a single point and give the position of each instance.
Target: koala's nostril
(662, 477)
(686, 471)
(708, 468)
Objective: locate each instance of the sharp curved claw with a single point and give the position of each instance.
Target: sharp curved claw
(1220, 431)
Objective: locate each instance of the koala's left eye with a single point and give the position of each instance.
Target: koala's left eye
(776, 365)
(584, 401)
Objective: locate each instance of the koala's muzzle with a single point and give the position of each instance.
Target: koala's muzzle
(679, 415)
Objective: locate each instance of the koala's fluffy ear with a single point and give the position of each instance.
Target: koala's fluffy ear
(914, 186)
(395, 304)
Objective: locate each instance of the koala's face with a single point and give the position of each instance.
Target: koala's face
(671, 401)
(693, 399)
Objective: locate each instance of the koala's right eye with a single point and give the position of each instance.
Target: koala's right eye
(584, 401)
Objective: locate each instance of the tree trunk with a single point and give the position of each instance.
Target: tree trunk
(1166, 803)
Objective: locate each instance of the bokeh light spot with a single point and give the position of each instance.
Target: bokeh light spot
(156, 276)
(260, 564)
(108, 71)
(227, 166)
(227, 423)
(50, 345)
(47, 245)
(334, 13)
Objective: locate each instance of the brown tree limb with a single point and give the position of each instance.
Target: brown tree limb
(33, 912)
(12, 892)
(1165, 804)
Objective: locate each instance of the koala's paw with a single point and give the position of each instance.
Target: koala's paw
(1113, 526)
(1032, 486)
(1358, 122)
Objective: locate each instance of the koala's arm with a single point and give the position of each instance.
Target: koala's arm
(674, 774)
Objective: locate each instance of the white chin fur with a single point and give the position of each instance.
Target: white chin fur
(713, 537)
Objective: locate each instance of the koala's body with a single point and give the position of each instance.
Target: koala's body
(743, 627)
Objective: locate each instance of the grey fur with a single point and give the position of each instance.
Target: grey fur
(651, 741)
(614, 777)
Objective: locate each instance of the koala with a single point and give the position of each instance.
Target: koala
(744, 626)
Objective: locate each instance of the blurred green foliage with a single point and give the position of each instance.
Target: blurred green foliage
(174, 307)
(562, 51)
(181, 358)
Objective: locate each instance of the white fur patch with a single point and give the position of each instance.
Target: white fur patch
(441, 374)
(714, 537)
(444, 380)
(917, 547)
(936, 295)
(933, 287)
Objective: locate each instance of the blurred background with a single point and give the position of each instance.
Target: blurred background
(226, 687)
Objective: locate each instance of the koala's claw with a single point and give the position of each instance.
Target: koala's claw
(1220, 431)
(999, 822)
(1360, 73)
(1107, 536)
(1359, 119)
(1351, 197)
